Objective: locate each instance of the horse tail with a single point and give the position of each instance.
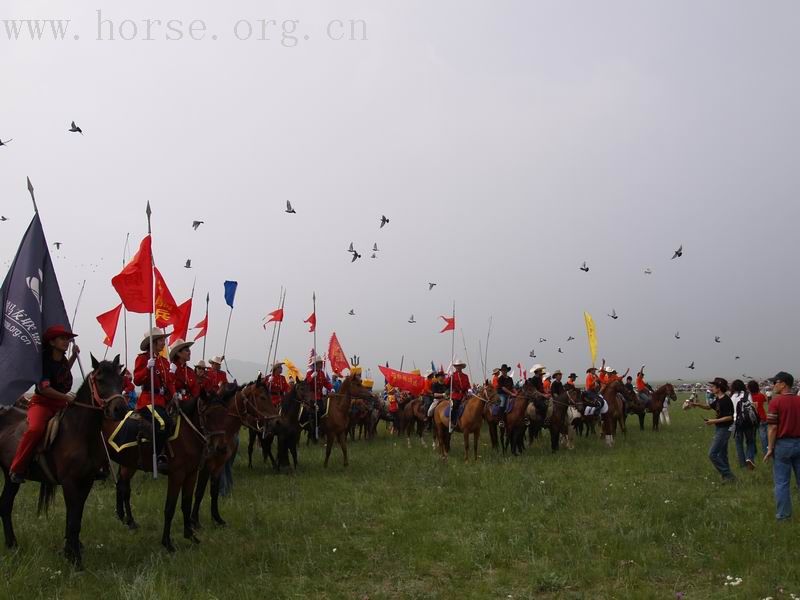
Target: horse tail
(47, 491)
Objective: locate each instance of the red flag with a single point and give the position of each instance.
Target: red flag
(336, 356)
(134, 284)
(451, 323)
(275, 315)
(181, 322)
(166, 307)
(203, 326)
(407, 382)
(109, 321)
(312, 321)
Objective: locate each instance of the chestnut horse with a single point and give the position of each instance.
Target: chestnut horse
(657, 401)
(492, 421)
(513, 434)
(248, 406)
(74, 459)
(470, 423)
(336, 422)
(614, 393)
(414, 417)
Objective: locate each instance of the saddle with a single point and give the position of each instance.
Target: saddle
(50, 435)
(459, 412)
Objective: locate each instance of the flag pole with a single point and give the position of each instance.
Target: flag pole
(486, 349)
(206, 335)
(74, 317)
(480, 355)
(402, 358)
(452, 369)
(150, 352)
(272, 339)
(225, 345)
(466, 355)
(124, 310)
(314, 366)
(280, 324)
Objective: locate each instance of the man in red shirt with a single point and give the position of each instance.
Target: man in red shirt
(317, 380)
(783, 418)
(186, 383)
(201, 372)
(217, 375)
(277, 384)
(459, 384)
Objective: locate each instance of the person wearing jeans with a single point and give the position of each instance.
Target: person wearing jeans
(760, 402)
(744, 432)
(722, 405)
(783, 442)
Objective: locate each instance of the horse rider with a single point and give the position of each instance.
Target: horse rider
(201, 373)
(495, 378)
(438, 391)
(318, 381)
(277, 384)
(537, 380)
(459, 386)
(571, 379)
(336, 382)
(643, 390)
(593, 386)
(52, 394)
(505, 390)
(556, 387)
(186, 384)
(163, 383)
(217, 376)
(427, 394)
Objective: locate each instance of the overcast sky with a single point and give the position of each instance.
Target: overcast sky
(507, 142)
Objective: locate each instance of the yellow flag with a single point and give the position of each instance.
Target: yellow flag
(591, 333)
(291, 370)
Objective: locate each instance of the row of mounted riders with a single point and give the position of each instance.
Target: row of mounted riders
(198, 437)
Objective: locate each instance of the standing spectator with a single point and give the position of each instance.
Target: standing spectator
(783, 418)
(720, 402)
(744, 432)
(760, 401)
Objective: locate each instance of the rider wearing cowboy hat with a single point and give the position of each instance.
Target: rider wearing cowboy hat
(556, 387)
(52, 394)
(536, 380)
(186, 383)
(459, 384)
(277, 384)
(592, 385)
(217, 375)
(505, 388)
(318, 381)
(201, 373)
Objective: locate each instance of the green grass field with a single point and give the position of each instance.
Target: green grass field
(647, 519)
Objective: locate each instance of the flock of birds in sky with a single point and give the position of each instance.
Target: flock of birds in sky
(356, 255)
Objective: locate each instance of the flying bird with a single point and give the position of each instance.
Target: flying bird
(57, 245)
(196, 224)
(352, 312)
(431, 286)
(375, 247)
(384, 221)
(691, 366)
(356, 256)
(570, 338)
(677, 335)
(542, 340)
(2, 143)
(75, 129)
(614, 314)
(2, 218)
(350, 248)
(532, 354)
(716, 339)
(584, 268)
(374, 255)
(648, 271)
(289, 208)
(411, 320)
(188, 264)
(678, 252)
(560, 351)
(737, 357)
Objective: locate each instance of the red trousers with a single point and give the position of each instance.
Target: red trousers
(40, 411)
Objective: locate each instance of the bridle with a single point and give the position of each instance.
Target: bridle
(251, 411)
(96, 402)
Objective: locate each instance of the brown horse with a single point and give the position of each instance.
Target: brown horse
(513, 434)
(470, 423)
(248, 406)
(336, 422)
(414, 417)
(74, 458)
(492, 420)
(657, 401)
(613, 393)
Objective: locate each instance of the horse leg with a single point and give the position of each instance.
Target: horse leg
(641, 421)
(475, 439)
(251, 440)
(174, 484)
(466, 446)
(215, 502)
(554, 439)
(186, 507)
(6, 507)
(75, 496)
(202, 482)
(328, 446)
(295, 438)
(124, 496)
(656, 418)
(343, 444)
(266, 445)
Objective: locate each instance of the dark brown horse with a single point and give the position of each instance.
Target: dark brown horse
(74, 459)
(492, 420)
(335, 424)
(414, 417)
(513, 434)
(614, 394)
(657, 401)
(247, 406)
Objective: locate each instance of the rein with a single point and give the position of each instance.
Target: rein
(97, 402)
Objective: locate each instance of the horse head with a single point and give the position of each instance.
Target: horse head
(212, 410)
(104, 386)
(670, 391)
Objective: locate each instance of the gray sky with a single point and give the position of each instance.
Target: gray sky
(506, 141)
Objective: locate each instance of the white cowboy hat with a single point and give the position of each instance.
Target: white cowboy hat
(179, 345)
(275, 366)
(156, 334)
(557, 372)
(537, 367)
(607, 369)
(200, 364)
(546, 376)
(216, 360)
(457, 362)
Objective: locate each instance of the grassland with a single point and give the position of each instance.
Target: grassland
(647, 519)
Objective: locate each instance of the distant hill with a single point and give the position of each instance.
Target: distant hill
(243, 370)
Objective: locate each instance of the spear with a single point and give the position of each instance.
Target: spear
(124, 310)
(314, 366)
(280, 325)
(206, 335)
(272, 339)
(486, 349)
(452, 359)
(466, 355)
(152, 369)
(75, 316)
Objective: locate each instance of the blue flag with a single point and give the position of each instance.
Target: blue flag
(230, 292)
(32, 302)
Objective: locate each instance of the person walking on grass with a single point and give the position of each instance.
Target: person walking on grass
(720, 402)
(744, 430)
(760, 402)
(783, 445)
